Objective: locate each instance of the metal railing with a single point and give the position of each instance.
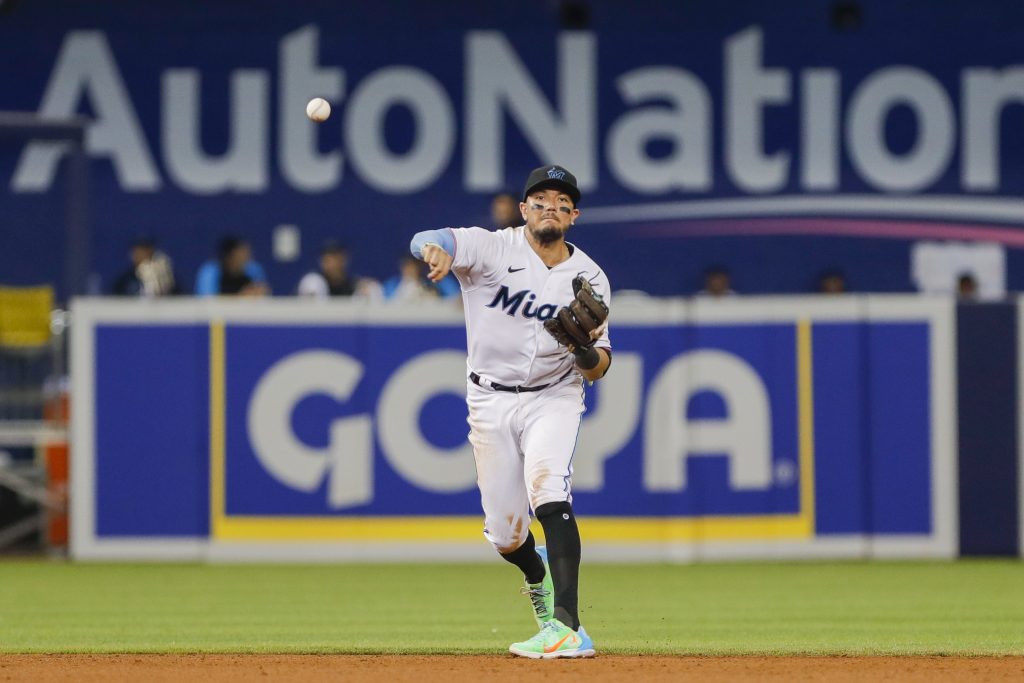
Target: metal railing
(33, 413)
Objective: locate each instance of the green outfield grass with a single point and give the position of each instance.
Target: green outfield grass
(971, 607)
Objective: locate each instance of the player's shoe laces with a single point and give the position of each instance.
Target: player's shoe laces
(542, 595)
(555, 640)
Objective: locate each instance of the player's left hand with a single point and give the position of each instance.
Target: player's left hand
(439, 260)
(578, 325)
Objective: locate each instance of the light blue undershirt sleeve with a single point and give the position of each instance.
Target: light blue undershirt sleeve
(442, 238)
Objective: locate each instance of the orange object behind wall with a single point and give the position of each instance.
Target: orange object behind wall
(56, 458)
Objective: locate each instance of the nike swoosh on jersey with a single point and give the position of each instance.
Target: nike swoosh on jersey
(515, 270)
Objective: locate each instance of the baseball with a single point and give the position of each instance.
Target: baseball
(318, 109)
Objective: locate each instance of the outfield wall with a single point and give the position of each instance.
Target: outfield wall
(287, 430)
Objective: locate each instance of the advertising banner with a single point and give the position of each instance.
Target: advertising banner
(761, 427)
(764, 134)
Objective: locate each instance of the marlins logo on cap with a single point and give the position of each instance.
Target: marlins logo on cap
(552, 177)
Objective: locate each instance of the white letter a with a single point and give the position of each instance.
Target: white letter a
(86, 66)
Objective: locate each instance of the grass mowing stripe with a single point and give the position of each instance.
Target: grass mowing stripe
(966, 607)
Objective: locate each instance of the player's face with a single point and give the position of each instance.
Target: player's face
(549, 214)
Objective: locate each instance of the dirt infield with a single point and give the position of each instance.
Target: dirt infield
(418, 669)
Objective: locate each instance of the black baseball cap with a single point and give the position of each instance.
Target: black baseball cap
(552, 177)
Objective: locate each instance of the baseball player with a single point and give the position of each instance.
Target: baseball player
(536, 314)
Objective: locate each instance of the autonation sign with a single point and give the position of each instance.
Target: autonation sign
(664, 104)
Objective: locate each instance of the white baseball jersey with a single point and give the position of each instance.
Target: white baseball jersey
(508, 293)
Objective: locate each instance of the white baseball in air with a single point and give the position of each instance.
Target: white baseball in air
(318, 109)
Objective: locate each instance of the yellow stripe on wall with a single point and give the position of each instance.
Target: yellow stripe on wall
(805, 391)
(217, 421)
(424, 529)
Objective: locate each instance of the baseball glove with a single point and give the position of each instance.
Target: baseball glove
(574, 325)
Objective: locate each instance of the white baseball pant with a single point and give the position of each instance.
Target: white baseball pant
(523, 445)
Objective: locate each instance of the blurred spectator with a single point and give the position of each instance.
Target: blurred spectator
(936, 268)
(967, 287)
(717, 283)
(151, 272)
(505, 211)
(832, 282)
(334, 279)
(411, 283)
(233, 273)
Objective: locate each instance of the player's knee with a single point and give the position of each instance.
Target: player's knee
(545, 490)
(544, 487)
(507, 544)
(507, 536)
(547, 498)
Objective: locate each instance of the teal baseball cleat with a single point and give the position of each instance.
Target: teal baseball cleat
(542, 595)
(554, 641)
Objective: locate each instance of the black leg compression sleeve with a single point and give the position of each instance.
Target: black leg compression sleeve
(526, 558)
(563, 543)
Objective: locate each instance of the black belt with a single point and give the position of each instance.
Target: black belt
(475, 378)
